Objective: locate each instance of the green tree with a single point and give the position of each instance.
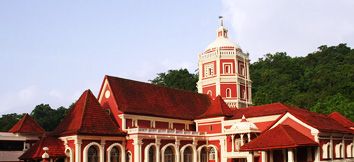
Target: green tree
(8, 120)
(335, 103)
(47, 117)
(179, 79)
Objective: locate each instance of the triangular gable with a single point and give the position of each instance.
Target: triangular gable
(293, 118)
(27, 125)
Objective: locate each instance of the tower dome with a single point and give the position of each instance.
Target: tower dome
(222, 39)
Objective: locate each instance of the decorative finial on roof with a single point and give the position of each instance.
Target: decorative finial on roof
(221, 21)
(243, 118)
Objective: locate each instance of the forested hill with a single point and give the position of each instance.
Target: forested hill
(322, 81)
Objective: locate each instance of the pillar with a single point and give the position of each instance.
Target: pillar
(249, 137)
(264, 156)
(158, 145)
(242, 142)
(78, 150)
(250, 157)
(232, 143)
(222, 150)
(137, 149)
(103, 143)
(291, 155)
(178, 154)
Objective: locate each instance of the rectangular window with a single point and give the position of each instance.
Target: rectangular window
(209, 70)
(227, 68)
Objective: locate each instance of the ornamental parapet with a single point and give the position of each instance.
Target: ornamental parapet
(163, 131)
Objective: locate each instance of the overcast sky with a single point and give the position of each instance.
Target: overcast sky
(51, 51)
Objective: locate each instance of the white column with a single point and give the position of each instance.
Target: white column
(232, 143)
(137, 149)
(177, 143)
(250, 157)
(264, 156)
(249, 137)
(291, 155)
(242, 142)
(78, 150)
(222, 150)
(195, 154)
(271, 156)
(158, 144)
(103, 143)
(317, 154)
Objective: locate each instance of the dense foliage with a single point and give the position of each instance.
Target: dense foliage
(323, 81)
(47, 117)
(179, 79)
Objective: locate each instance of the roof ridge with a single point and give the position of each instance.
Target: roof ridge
(286, 132)
(84, 108)
(157, 85)
(23, 121)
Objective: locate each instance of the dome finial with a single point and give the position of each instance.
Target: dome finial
(221, 21)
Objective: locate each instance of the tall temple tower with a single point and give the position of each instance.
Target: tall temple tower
(224, 71)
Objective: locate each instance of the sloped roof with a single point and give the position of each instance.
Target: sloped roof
(319, 121)
(56, 148)
(27, 125)
(217, 108)
(87, 117)
(341, 119)
(282, 136)
(141, 98)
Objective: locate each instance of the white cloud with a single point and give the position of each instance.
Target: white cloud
(296, 27)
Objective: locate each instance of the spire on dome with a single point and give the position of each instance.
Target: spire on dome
(222, 31)
(221, 21)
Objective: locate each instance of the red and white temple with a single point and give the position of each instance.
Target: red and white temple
(132, 121)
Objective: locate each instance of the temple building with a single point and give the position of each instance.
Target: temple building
(132, 121)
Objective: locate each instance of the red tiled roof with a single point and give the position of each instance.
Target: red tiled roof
(319, 121)
(282, 136)
(27, 125)
(56, 149)
(217, 108)
(141, 98)
(341, 119)
(87, 117)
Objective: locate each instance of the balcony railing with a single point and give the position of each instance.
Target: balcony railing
(163, 131)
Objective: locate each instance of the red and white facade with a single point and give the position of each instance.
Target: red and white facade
(132, 121)
(224, 71)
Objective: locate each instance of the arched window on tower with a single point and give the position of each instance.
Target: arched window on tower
(228, 93)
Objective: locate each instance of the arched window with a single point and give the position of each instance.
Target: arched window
(115, 154)
(203, 155)
(68, 155)
(212, 154)
(187, 155)
(92, 154)
(228, 92)
(152, 154)
(169, 155)
(128, 157)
